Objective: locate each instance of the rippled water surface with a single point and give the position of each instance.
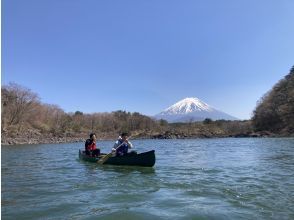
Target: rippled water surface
(192, 179)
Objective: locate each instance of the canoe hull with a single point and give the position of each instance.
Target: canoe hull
(146, 159)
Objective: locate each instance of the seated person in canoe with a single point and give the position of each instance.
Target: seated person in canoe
(122, 145)
(90, 146)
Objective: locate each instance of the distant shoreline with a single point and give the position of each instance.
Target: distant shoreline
(57, 140)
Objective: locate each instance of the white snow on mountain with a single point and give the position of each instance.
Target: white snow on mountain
(192, 109)
(188, 105)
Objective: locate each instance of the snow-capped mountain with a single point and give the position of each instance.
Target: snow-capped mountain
(192, 109)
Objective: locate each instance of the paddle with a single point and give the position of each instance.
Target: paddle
(105, 158)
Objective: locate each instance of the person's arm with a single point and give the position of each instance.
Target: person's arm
(115, 146)
(87, 143)
(130, 145)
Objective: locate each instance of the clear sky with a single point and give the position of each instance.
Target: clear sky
(139, 55)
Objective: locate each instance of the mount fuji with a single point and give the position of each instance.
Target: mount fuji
(192, 109)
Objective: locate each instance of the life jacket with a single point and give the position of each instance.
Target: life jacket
(123, 149)
(90, 145)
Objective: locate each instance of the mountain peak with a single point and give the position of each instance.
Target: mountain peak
(188, 105)
(191, 109)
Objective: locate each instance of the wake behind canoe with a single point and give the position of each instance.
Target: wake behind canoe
(145, 159)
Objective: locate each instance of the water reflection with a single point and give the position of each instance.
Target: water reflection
(93, 167)
(127, 169)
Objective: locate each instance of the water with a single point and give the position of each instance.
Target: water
(192, 179)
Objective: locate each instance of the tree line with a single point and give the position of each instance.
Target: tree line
(24, 115)
(275, 110)
(22, 110)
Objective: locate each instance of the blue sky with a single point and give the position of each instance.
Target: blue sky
(106, 55)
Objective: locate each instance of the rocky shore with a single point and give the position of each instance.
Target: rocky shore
(170, 135)
(53, 140)
(37, 138)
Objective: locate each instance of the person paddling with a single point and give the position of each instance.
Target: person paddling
(122, 145)
(90, 146)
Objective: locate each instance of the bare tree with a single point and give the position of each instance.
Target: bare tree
(17, 104)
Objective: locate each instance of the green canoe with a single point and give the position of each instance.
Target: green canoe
(146, 159)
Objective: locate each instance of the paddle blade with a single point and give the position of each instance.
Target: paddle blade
(104, 159)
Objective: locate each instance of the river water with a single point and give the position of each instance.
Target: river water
(226, 178)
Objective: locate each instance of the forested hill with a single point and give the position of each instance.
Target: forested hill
(275, 110)
(25, 119)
